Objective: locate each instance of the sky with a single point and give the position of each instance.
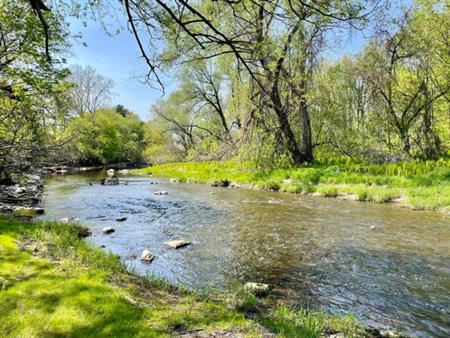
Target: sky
(115, 57)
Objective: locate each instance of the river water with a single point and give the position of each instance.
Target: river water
(387, 265)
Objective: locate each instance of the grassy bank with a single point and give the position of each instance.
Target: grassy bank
(54, 284)
(416, 184)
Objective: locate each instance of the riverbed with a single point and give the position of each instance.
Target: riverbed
(387, 265)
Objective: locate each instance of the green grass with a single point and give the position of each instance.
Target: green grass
(417, 184)
(55, 284)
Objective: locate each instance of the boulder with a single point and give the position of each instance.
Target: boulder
(65, 220)
(258, 289)
(108, 230)
(147, 256)
(111, 172)
(174, 180)
(175, 244)
(121, 219)
(161, 192)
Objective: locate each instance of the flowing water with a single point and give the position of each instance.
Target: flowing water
(387, 265)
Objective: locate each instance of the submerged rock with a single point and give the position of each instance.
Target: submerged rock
(175, 244)
(147, 256)
(108, 230)
(121, 219)
(258, 289)
(161, 192)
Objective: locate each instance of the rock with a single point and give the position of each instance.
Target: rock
(124, 171)
(110, 181)
(65, 220)
(84, 232)
(147, 256)
(21, 190)
(90, 183)
(174, 180)
(175, 244)
(373, 227)
(222, 183)
(108, 230)
(258, 289)
(39, 211)
(111, 172)
(121, 219)
(389, 333)
(161, 192)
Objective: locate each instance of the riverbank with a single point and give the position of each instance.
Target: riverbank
(53, 283)
(415, 184)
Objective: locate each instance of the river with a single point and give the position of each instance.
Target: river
(387, 265)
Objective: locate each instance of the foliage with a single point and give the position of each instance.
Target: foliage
(388, 102)
(32, 87)
(105, 136)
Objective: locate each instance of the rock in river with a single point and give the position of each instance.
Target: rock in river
(222, 183)
(162, 192)
(121, 219)
(111, 172)
(110, 181)
(258, 289)
(179, 243)
(108, 230)
(147, 256)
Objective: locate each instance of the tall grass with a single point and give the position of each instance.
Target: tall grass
(418, 184)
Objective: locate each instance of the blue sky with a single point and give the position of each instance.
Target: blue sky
(117, 58)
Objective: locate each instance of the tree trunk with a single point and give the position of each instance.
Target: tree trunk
(288, 134)
(305, 121)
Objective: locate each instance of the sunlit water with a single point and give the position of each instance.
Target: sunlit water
(316, 252)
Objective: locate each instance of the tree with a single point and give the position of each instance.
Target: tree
(408, 73)
(105, 137)
(266, 38)
(90, 90)
(32, 87)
